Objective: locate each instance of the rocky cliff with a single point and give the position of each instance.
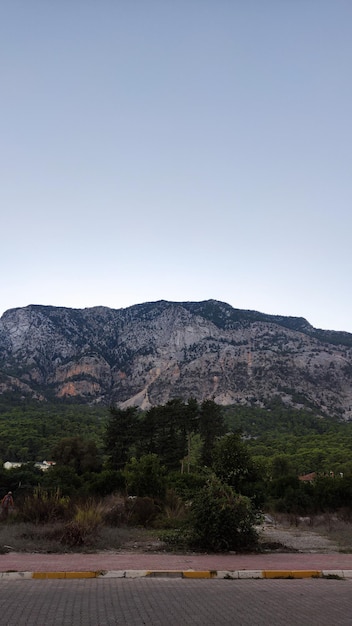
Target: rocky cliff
(149, 353)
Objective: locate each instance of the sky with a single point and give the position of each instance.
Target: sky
(177, 150)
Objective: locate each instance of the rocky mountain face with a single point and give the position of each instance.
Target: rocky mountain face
(147, 354)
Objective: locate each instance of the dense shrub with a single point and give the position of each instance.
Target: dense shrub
(174, 512)
(63, 478)
(104, 483)
(222, 520)
(187, 485)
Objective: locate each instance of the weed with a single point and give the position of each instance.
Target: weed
(85, 525)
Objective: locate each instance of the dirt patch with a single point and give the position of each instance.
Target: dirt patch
(283, 537)
(144, 545)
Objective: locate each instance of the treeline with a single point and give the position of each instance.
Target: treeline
(92, 453)
(309, 442)
(30, 432)
(180, 433)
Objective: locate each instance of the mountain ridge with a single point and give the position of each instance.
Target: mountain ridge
(149, 353)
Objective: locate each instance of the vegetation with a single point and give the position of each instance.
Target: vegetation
(29, 431)
(309, 442)
(221, 519)
(198, 474)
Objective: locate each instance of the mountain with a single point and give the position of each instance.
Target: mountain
(150, 353)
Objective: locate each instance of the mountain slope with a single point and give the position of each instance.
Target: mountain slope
(149, 353)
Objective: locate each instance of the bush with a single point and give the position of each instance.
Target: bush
(174, 507)
(105, 483)
(174, 512)
(63, 478)
(141, 511)
(44, 506)
(115, 513)
(85, 525)
(187, 485)
(222, 520)
(132, 511)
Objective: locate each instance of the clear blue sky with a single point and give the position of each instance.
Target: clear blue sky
(177, 150)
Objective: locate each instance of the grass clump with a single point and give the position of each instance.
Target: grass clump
(85, 525)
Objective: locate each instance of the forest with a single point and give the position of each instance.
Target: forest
(309, 442)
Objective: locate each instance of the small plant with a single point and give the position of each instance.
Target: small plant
(85, 525)
(173, 514)
(177, 539)
(141, 511)
(115, 513)
(174, 508)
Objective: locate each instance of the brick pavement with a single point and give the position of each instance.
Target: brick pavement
(165, 602)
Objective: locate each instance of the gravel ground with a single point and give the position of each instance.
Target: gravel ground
(295, 539)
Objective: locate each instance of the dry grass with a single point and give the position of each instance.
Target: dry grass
(23, 537)
(338, 530)
(92, 526)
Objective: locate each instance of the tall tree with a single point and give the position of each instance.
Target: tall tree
(233, 463)
(211, 426)
(165, 431)
(121, 435)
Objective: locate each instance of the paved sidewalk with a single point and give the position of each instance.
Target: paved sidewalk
(169, 563)
(175, 602)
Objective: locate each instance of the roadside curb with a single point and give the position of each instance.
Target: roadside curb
(187, 574)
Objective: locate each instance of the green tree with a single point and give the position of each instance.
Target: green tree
(233, 464)
(281, 465)
(121, 435)
(211, 426)
(145, 477)
(63, 478)
(192, 461)
(82, 455)
(166, 430)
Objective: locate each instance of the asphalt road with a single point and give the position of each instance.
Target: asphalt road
(175, 602)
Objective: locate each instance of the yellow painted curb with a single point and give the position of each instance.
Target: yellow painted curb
(45, 575)
(291, 573)
(199, 574)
